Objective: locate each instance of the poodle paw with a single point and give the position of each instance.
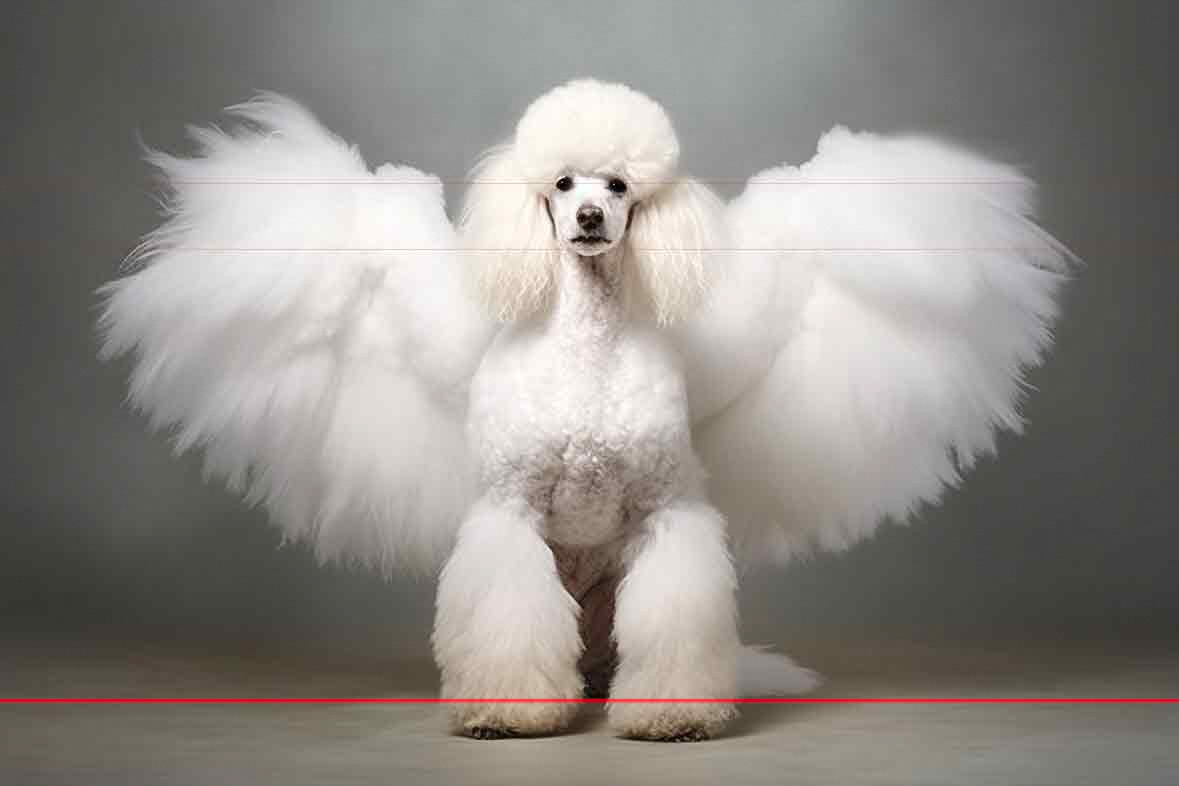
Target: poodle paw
(487, 701)
(502, 720)
(670, 722)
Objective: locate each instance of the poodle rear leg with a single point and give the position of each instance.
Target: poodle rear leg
(676, 627)
(505, 627)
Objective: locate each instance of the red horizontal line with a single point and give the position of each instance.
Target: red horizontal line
(795, 700)
(965, 249)
(375, 180)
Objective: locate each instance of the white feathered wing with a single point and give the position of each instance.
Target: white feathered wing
(867, 337)
(305, 321)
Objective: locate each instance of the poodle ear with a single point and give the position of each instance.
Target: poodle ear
(672, 236)
(507, 230)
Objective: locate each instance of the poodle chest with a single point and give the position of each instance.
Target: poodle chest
(591, 437)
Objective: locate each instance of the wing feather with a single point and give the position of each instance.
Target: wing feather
(306, 323)
(904, 291)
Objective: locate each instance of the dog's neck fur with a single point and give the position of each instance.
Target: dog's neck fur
(589, 304)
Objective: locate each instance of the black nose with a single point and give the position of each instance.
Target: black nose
(589, 217)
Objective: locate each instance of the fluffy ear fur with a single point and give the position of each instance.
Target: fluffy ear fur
(673, 238)
(508, 233)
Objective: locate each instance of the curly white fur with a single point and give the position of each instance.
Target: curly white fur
(656, 374)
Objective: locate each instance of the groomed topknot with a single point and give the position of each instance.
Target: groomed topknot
(598, 127)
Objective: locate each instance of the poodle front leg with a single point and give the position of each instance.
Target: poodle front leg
(676, 628)
(505, 627)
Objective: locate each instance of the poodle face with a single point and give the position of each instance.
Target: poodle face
(609, 155)
(590, 212)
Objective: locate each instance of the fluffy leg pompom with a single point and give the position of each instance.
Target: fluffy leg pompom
(506, 628)
(676, 627)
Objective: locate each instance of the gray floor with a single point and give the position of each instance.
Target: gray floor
(799, 744)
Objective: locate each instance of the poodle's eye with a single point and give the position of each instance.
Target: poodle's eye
(617, 186)
(565, 183)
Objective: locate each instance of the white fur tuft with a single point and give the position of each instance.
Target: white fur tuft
(910, 291)
(761, 673)
(305, 322)
(674, 241)
(508, 238)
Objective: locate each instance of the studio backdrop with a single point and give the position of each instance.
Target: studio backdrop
(1070, 534)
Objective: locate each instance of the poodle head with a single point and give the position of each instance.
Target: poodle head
(592, 167)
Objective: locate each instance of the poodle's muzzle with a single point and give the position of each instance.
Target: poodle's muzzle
(589, 212)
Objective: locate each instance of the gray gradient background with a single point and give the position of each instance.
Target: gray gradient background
(1071, 534)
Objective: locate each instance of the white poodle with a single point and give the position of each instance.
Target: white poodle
(641, 382)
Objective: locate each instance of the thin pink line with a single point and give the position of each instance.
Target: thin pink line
(837, 700)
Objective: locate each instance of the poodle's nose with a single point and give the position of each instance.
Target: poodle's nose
(589, 217)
